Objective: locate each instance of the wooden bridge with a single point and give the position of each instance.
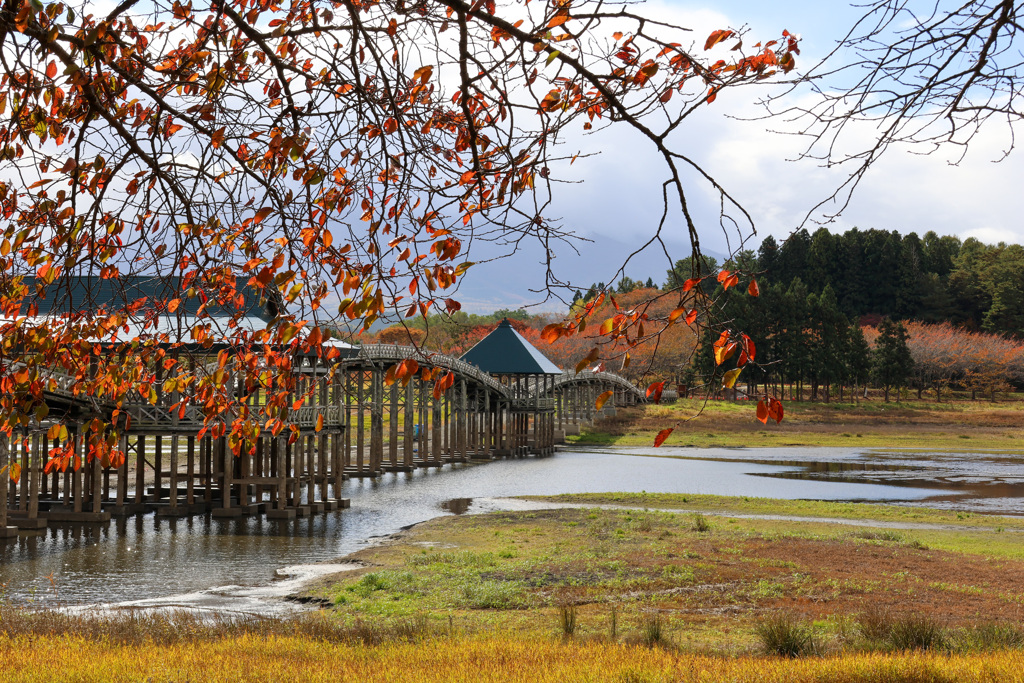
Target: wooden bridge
(367, 428)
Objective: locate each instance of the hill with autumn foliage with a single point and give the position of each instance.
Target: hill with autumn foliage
(659, 357)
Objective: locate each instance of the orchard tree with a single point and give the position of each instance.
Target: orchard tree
(337, 157)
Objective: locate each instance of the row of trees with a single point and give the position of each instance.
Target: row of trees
(878, 273)
(814, 345)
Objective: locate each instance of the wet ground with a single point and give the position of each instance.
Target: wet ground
(236, 564)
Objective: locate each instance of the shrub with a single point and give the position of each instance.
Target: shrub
(701, 523)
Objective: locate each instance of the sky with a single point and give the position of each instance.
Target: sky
(617, 204)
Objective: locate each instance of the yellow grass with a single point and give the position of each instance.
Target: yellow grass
(476, 660)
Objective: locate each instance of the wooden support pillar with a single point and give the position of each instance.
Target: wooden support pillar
(376, 420)
(410, 419)
(423, 419)
(393, 426)
(190, 466)
(462, 424)
(436, 430)
(488, 424)
(5, 461)
(361, 425)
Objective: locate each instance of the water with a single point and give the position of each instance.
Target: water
(234, 562)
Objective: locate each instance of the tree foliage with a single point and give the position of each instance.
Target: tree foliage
(892, 362)
(339, 157)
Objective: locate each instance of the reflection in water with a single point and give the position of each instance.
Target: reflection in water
(148, 557)
(456, 506)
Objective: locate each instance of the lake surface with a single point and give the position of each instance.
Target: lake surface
(218, 562)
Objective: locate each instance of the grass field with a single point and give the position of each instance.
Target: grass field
(958, 426)
(659, 588)
(708, 581)
(482, 659)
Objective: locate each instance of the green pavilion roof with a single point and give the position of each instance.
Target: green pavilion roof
(506, 352)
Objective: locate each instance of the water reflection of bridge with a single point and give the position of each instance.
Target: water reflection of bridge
(367, 426)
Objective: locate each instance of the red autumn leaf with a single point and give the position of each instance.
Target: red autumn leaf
(775, 409)
(262, 214)
(551, 333)
(691, 316)
(748, 347)
(654, 391)
(662, 435)
(762, 411)
(716, 37)
(753, 289)
(723, 275)
(51, 70)
(690, 284)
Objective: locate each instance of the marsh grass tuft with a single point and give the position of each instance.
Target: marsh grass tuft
(700, 523)
(874, 624)
(652, 630)
(567, 618)
(987, 638)
(784, 635)
(916, 632)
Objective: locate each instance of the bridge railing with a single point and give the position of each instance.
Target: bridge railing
(396, 352)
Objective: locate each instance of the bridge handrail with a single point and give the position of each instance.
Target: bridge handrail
(604, 377)
(398, 352)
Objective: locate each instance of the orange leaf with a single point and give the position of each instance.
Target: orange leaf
(15, 471)
(753, 289)
(551, 333)
(51, 70)
(674, 315)
(723, 276)
(775, 409)
(607, 326)
(689, 284)
(319, 422)
(715, 38)
(748, 347)
(762, 411)
(602, 399)
(558, 20)
(389, 376)
(691, 316)
(654, 392)
(261, 214)
(662, 435)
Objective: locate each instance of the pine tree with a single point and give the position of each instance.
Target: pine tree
(858, 357)
(893, 363)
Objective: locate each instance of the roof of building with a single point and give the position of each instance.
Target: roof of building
(506, 352)
(74, 293)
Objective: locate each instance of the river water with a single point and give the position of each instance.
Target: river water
(205, 562)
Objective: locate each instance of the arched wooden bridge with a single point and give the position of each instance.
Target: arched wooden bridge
(368, 427)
